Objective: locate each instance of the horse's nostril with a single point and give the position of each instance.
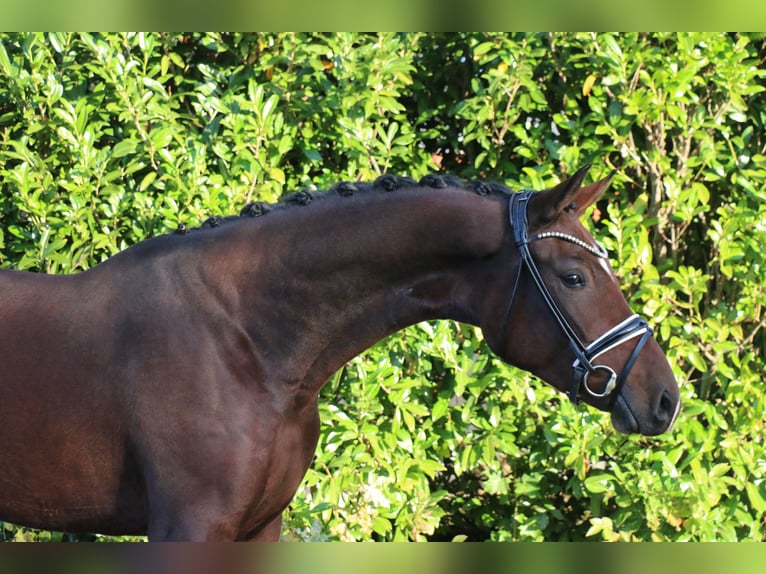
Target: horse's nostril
(666, 409)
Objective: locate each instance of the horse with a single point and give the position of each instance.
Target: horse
(172, 389)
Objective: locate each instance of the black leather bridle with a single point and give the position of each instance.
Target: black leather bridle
(583, 367)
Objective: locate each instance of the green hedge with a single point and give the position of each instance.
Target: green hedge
(109, 139)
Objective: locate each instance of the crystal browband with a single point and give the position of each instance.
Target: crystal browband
(598, 250)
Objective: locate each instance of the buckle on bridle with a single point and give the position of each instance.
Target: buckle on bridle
(628, 329)
(610, 384)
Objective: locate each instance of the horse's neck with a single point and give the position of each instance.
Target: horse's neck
(323, 282)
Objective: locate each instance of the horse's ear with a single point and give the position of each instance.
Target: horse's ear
(568, 195)
(551, 202)
(589, 194)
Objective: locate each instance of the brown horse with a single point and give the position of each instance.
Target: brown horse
(172, 389)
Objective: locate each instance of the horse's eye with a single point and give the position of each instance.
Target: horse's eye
(573, 280)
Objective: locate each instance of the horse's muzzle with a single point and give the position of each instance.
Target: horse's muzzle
(659, 420)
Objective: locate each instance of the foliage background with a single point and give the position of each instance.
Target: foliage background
(109, 139)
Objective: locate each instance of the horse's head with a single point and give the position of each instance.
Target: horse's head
(566, 320)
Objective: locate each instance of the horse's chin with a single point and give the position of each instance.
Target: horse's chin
(623, 419)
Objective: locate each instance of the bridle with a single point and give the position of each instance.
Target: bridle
(583, 367)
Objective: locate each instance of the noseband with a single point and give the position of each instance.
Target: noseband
(583, 367)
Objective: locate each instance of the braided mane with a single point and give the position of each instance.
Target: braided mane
(383, 184)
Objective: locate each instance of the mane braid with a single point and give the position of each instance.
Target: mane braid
(384, 184)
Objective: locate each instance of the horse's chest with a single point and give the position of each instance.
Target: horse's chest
(282, 461)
